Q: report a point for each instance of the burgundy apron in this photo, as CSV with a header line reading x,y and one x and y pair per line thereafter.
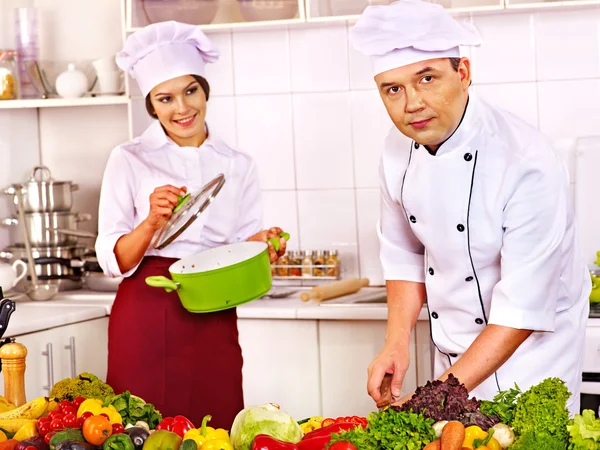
x,y
183,363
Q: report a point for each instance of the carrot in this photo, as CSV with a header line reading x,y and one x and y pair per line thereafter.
x,y
8,445
453,436
435,445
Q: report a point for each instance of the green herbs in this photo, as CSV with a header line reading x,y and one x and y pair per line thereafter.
x,y
133,409
84,385
503,406
542,411
391,430
538,441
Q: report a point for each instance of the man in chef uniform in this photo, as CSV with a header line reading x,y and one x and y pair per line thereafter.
x,y
476,218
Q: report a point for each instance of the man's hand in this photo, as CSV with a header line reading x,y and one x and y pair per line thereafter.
x,y
393,359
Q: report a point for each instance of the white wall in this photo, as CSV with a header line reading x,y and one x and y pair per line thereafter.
x,y
303,103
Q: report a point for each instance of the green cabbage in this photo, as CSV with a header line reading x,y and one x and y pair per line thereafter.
x,y
266,419
585,431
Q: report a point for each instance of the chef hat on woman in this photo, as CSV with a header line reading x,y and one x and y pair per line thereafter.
x,y
409,31
163,51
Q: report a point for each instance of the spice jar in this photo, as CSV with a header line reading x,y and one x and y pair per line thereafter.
x,y
307,264
319,262
9,71
332,263
282,266
295,264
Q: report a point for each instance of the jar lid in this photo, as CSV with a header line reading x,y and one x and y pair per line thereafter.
x,y
187,214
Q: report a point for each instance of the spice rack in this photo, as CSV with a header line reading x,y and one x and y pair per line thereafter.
x,y
308,265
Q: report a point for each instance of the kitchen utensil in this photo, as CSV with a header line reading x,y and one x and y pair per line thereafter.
x,y
34,291
219,278
336,289
254,10
195,12
43,227
181,219
41,193
10,276
76,233
280,294
387,399
97,281
71,83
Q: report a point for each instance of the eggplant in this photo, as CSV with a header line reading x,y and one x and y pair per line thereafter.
x,y
35,441
70,444
138,436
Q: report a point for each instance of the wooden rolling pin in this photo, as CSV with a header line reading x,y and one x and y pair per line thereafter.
x,y
333,290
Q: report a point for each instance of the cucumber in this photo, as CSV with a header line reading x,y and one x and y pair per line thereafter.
x,y
66,435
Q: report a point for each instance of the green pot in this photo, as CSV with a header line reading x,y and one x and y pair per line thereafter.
x,y
219,278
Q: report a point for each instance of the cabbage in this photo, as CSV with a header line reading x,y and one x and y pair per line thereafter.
x,y
265,419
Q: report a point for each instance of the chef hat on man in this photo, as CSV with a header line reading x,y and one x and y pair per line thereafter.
x,y
409,31
163,51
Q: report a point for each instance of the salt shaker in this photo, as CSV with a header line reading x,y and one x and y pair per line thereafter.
x,y
13,357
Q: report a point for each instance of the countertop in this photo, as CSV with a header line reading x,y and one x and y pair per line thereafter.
x,y
81,305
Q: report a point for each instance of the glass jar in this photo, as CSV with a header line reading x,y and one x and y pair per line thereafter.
x,y
295,264
332,263
9,75
319,262
282,266
307,264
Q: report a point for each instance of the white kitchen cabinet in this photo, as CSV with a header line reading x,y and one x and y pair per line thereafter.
x,y
48,359
281,364
346,349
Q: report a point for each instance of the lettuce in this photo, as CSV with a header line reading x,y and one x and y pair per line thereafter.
x,y
266,419
585,431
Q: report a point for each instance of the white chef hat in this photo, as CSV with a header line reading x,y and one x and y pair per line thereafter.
x,y
163,51
409,31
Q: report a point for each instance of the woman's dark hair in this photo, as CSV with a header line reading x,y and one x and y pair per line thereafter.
x,y
203,84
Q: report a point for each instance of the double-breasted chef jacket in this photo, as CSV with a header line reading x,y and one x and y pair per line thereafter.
x,y
486,222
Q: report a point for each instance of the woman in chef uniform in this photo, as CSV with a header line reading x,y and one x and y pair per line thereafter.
x,y
475,218
183,363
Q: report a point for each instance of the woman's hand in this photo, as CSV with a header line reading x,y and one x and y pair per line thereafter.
x,y
265,235
162,202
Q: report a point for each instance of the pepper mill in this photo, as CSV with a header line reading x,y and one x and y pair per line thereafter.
x,y
13,357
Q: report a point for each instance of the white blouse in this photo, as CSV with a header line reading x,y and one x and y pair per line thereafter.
x,y
136,168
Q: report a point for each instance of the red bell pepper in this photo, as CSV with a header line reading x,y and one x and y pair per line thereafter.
x,y
315,440
266,442
178,425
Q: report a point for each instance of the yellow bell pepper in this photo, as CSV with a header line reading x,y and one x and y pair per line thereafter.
x,y
217,444
312,424
27,431
96,407
195,435
208,438
474,432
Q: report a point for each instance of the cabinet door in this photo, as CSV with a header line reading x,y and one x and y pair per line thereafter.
x,y
84,348
346,350
43,359
281,364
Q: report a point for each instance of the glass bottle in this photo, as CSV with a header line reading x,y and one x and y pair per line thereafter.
x,y
307,264
295,260
332,263
9,75
319,262
282,266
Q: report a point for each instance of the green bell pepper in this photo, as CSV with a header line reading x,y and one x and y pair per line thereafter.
x,y
162,440
118,442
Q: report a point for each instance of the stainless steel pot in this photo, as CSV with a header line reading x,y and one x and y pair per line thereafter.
x,y
44,228
44,194
50,262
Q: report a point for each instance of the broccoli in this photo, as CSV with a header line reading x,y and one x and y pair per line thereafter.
x,y
84,385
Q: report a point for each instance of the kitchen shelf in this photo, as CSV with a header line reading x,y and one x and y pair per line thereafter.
x,y
239,25
528,4
63,102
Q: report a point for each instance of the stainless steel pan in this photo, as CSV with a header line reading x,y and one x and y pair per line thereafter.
x,y
44,228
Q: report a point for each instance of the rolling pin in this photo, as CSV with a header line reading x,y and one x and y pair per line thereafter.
x,y
333,290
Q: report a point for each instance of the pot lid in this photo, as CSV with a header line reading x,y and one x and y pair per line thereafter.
x,y
44,178
187,212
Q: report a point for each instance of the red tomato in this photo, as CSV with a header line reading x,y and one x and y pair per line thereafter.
x,y
106,416
86,414
70,410
78,401
70,421
96,430
57,424
81,420
30,447
44,420
118,428
62,405
327,422
43,428
52,414
48,437
343,445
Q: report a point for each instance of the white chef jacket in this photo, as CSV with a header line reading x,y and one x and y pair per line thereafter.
x,y
487,224
136,168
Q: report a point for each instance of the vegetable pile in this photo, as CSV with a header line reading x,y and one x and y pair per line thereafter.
x,y
133,409
85,385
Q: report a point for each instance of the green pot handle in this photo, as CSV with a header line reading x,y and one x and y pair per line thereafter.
x,y
162,282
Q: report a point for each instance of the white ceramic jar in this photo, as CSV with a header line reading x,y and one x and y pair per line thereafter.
x,y
72,83
10,276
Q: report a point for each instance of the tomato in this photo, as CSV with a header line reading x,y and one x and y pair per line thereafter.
x,y
78,401
43,428
44,420
70,410
86,414
54,413
327,422
97,429
64,404
48,437
117,428
343,445
31,447
106,415
57,424
71,421
81,421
